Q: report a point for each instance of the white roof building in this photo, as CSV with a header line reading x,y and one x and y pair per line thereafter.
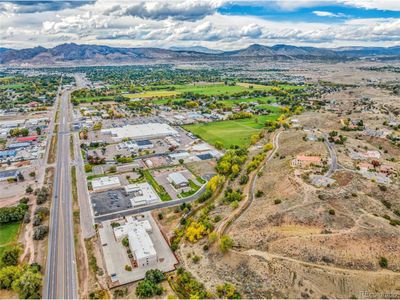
x,y
201,147
104,183
141,131
143,194
178,179
140,242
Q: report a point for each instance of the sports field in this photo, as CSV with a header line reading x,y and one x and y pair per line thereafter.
x,y
231,132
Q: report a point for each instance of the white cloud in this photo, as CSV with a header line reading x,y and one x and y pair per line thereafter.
x,y
326,14
188,10
184,23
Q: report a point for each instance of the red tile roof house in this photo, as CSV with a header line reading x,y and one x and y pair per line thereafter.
x,y
27,139
384,169
306,161
33,104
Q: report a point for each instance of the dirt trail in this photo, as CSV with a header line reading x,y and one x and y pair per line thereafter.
x,y
248,190
270,256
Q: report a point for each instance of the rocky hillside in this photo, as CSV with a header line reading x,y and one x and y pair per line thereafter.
x,y
95,54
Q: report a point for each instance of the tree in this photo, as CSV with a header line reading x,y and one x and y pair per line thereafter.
x,y
28,286
40,232
88,168
259,193
20,177
10,256
235,170
375,163
227,291
218,145
38,130
195,231
147,289
29,189
155,276
225,243
8,275
125,242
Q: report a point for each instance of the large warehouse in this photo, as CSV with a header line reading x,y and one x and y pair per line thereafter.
x,y
141,131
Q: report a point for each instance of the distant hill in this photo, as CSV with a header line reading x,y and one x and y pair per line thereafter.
x,y
72,54
199,49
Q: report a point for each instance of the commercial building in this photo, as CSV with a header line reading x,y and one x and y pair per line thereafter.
x,y
140,243
143,194
9,174
18,145
178,180
26,139
141,131
135,146
7,154
105,183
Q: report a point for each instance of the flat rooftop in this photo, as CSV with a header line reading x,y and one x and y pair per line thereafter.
x,y
141,131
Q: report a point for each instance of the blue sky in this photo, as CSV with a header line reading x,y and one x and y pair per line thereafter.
x,y
271,11
210,23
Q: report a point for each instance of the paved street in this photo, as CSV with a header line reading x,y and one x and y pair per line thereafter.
x,y
60,277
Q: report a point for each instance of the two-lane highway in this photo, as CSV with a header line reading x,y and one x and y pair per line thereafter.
x,y
61,276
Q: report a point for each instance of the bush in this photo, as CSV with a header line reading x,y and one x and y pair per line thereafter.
x,y
259,193
227,291
115,224
387,204
10,256
155,276
128,268
332,212
42,195
40,232
243,179
160,216
217,218
147,289
24,200
29,189
383,262
225,243
88,168
277,201
27,217
8,275
37,220
196,259
125,242
383,188
42,211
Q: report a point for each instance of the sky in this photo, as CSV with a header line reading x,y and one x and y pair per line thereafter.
x,y
216,24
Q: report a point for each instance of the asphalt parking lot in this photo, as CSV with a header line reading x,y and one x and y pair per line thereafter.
x,y
110,201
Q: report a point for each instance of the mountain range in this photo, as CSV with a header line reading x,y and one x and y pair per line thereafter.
x,y
72,54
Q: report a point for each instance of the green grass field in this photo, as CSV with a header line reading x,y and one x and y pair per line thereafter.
x,y
95,99
205,89
261,100
8,233
12,86
231,132
8,236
